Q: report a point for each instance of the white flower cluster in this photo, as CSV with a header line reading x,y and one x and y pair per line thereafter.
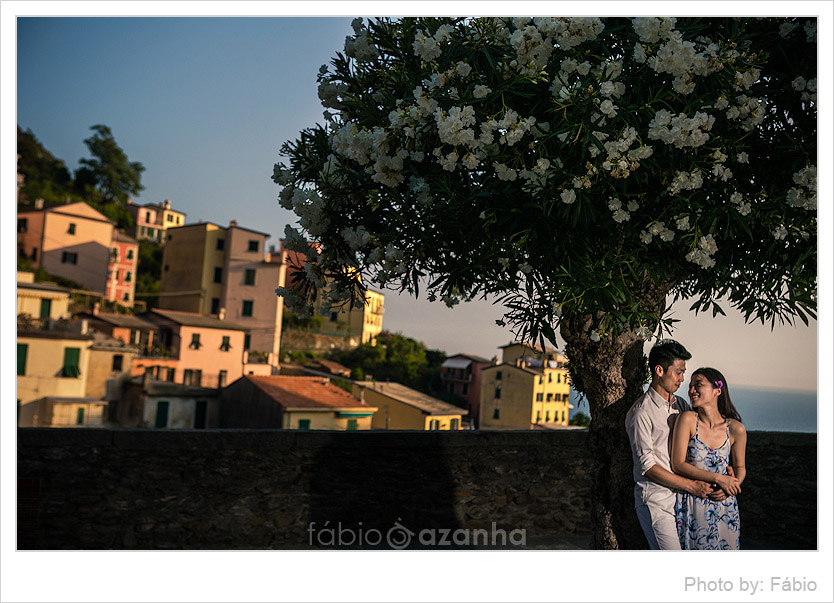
x,y
719,170
680,58
780,233
682,222
622,159
686,181
745,79
535,40
294,241
360,46
653,29
329,93
421,190
452,126
356,237
481,91
804,195
619,214
358,144
810,28
643,333
657,229
743,206
807,88
681,130
504,173
568,196
750,111
281,174
428,47
309,206
702,254
293,302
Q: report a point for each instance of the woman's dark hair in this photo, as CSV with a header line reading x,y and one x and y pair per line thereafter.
x,y
725,405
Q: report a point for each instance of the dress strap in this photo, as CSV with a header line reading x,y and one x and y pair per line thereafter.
x,y
697,421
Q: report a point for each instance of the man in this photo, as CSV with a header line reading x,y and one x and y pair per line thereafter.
x,y
649,423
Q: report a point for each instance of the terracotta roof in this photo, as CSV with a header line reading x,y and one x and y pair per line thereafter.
x,y
124,238
192,319
43,287
470,357
333,367
306,392
412,397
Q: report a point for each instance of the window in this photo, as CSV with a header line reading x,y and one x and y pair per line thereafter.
x,y
464,390
218,274
538,416
114,254
496,413
22,224
130,254
334,316
249,276
352,425
69,257
200,412
71,229
22,350
169,218
454,424
247,341
169,376
161,414
220,245
46,308
79,417
127,276
497,393
550,397
434,425
247,307
539,397
192,377
126,297
195,341
117,362
147,216
221,379
226,344
134,337
541,379
215,305
71,356
498,375
550,377
547,417
253,246
304,423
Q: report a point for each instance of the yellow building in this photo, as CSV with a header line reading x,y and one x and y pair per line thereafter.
x,y
50,364
401,407
41,300
530,387
283,402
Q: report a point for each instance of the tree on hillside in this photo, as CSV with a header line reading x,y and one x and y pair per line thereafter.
x,y
149,272
44,176
588,172
108,179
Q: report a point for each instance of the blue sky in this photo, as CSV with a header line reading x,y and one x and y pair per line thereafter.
x,y
205,105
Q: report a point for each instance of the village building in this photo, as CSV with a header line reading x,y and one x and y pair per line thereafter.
x,y
401,407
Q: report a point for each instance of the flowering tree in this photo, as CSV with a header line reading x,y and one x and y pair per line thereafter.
x,y
588,172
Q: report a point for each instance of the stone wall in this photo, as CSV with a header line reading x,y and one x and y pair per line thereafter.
x,y
294,340
254,489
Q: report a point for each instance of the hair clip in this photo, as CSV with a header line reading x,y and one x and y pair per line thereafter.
x,y
719,383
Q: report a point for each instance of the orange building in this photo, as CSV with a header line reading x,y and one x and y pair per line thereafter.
x,y
121,274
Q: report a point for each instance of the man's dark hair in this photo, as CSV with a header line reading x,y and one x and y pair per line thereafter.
x,y
665,352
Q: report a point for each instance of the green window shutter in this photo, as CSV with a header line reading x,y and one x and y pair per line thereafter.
x,y
46,307
71,357
304,423
161,414
352,425
22,351
79,417
200,413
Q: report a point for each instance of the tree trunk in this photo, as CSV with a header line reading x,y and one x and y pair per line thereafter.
x,y
611,374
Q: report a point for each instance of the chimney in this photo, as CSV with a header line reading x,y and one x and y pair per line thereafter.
x,y
232,223
221,314
96,308
167,204
38,203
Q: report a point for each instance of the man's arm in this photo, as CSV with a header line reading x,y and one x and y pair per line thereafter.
x,y
671,480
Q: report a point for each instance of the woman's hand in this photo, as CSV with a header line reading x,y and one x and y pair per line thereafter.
x,y
729,484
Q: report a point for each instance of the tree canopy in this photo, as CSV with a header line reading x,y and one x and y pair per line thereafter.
x,y
44,176
572,166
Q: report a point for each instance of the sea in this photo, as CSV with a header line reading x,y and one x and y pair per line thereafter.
x,y
761,409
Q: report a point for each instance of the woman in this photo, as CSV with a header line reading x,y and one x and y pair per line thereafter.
x,y
705,442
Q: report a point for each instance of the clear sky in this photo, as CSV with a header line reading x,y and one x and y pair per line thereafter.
x,y
205,105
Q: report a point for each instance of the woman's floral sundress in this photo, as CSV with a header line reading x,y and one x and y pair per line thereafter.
x,y
703,523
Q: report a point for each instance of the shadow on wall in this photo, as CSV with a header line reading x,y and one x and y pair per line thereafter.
x,y
358,502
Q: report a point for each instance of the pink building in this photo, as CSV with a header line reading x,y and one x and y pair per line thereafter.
x,y
121,278
73,241
152,220
461,375
193,349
